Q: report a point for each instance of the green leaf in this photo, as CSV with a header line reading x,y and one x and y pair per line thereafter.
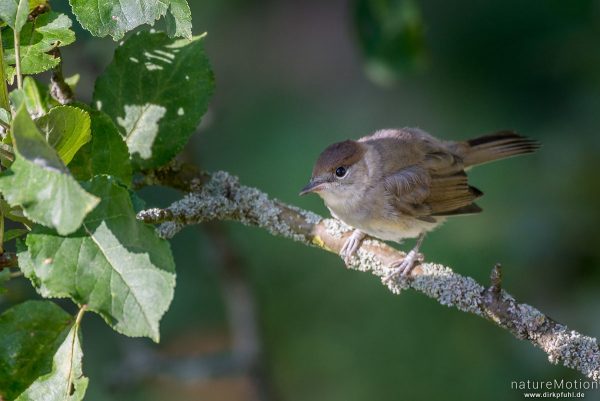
x,y
65,382
32,97
116,265
35,96
14,13
391,36
31,333
48,31
14,233
13,213
115,17
39,182
5,116
17,98
157,90
66,129
179,19
106,153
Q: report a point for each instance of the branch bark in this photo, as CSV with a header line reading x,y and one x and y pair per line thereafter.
x,y
59,89
220,196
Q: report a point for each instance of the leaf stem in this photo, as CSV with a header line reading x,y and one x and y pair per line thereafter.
x,y
17,36
4,103
80,315
76,332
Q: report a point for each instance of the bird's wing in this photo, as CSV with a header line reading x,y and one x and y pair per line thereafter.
x,y
435,185
452,194
406,191
415,191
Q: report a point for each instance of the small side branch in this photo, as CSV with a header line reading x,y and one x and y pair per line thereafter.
x,y
17,42
59,89
223,198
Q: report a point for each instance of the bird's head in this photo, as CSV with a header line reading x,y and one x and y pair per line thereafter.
x,y
339,171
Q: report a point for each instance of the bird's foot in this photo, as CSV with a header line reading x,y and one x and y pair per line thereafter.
x,y
403,267
351,245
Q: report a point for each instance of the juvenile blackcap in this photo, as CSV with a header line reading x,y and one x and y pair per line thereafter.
x,y
402,183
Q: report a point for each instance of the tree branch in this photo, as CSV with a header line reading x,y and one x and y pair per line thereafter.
x,y
59,89
223,198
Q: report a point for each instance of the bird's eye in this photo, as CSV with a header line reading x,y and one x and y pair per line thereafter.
x,y
340,172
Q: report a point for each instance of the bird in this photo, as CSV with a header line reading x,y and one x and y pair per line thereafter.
x,y
402,183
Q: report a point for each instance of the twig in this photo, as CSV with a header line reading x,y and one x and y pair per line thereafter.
x,y
17,41
37,11
496,280
223,198
59,89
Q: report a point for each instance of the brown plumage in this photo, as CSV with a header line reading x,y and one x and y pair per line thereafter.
x,y
401,183
339,154
428,176
496,146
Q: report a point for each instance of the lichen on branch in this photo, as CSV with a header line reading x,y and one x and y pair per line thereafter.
x,y
220,196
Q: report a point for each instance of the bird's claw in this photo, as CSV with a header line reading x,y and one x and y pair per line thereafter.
x,y
351,246
403,267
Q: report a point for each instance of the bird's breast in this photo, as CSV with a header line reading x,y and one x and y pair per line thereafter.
x,y
366,206
371,216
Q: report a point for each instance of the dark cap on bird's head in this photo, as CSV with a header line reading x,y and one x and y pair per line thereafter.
x,y
336,156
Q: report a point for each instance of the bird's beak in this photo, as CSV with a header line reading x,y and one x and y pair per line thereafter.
x,y
313,186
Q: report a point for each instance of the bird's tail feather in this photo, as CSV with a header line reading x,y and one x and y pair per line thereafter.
x,y
499,145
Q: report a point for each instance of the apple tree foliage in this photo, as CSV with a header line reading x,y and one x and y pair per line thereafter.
x,y
66,171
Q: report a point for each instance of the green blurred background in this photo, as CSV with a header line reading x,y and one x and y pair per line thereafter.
x,y
295,76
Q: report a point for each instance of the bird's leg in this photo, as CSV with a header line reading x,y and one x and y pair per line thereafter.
x,y
351,245
404,266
